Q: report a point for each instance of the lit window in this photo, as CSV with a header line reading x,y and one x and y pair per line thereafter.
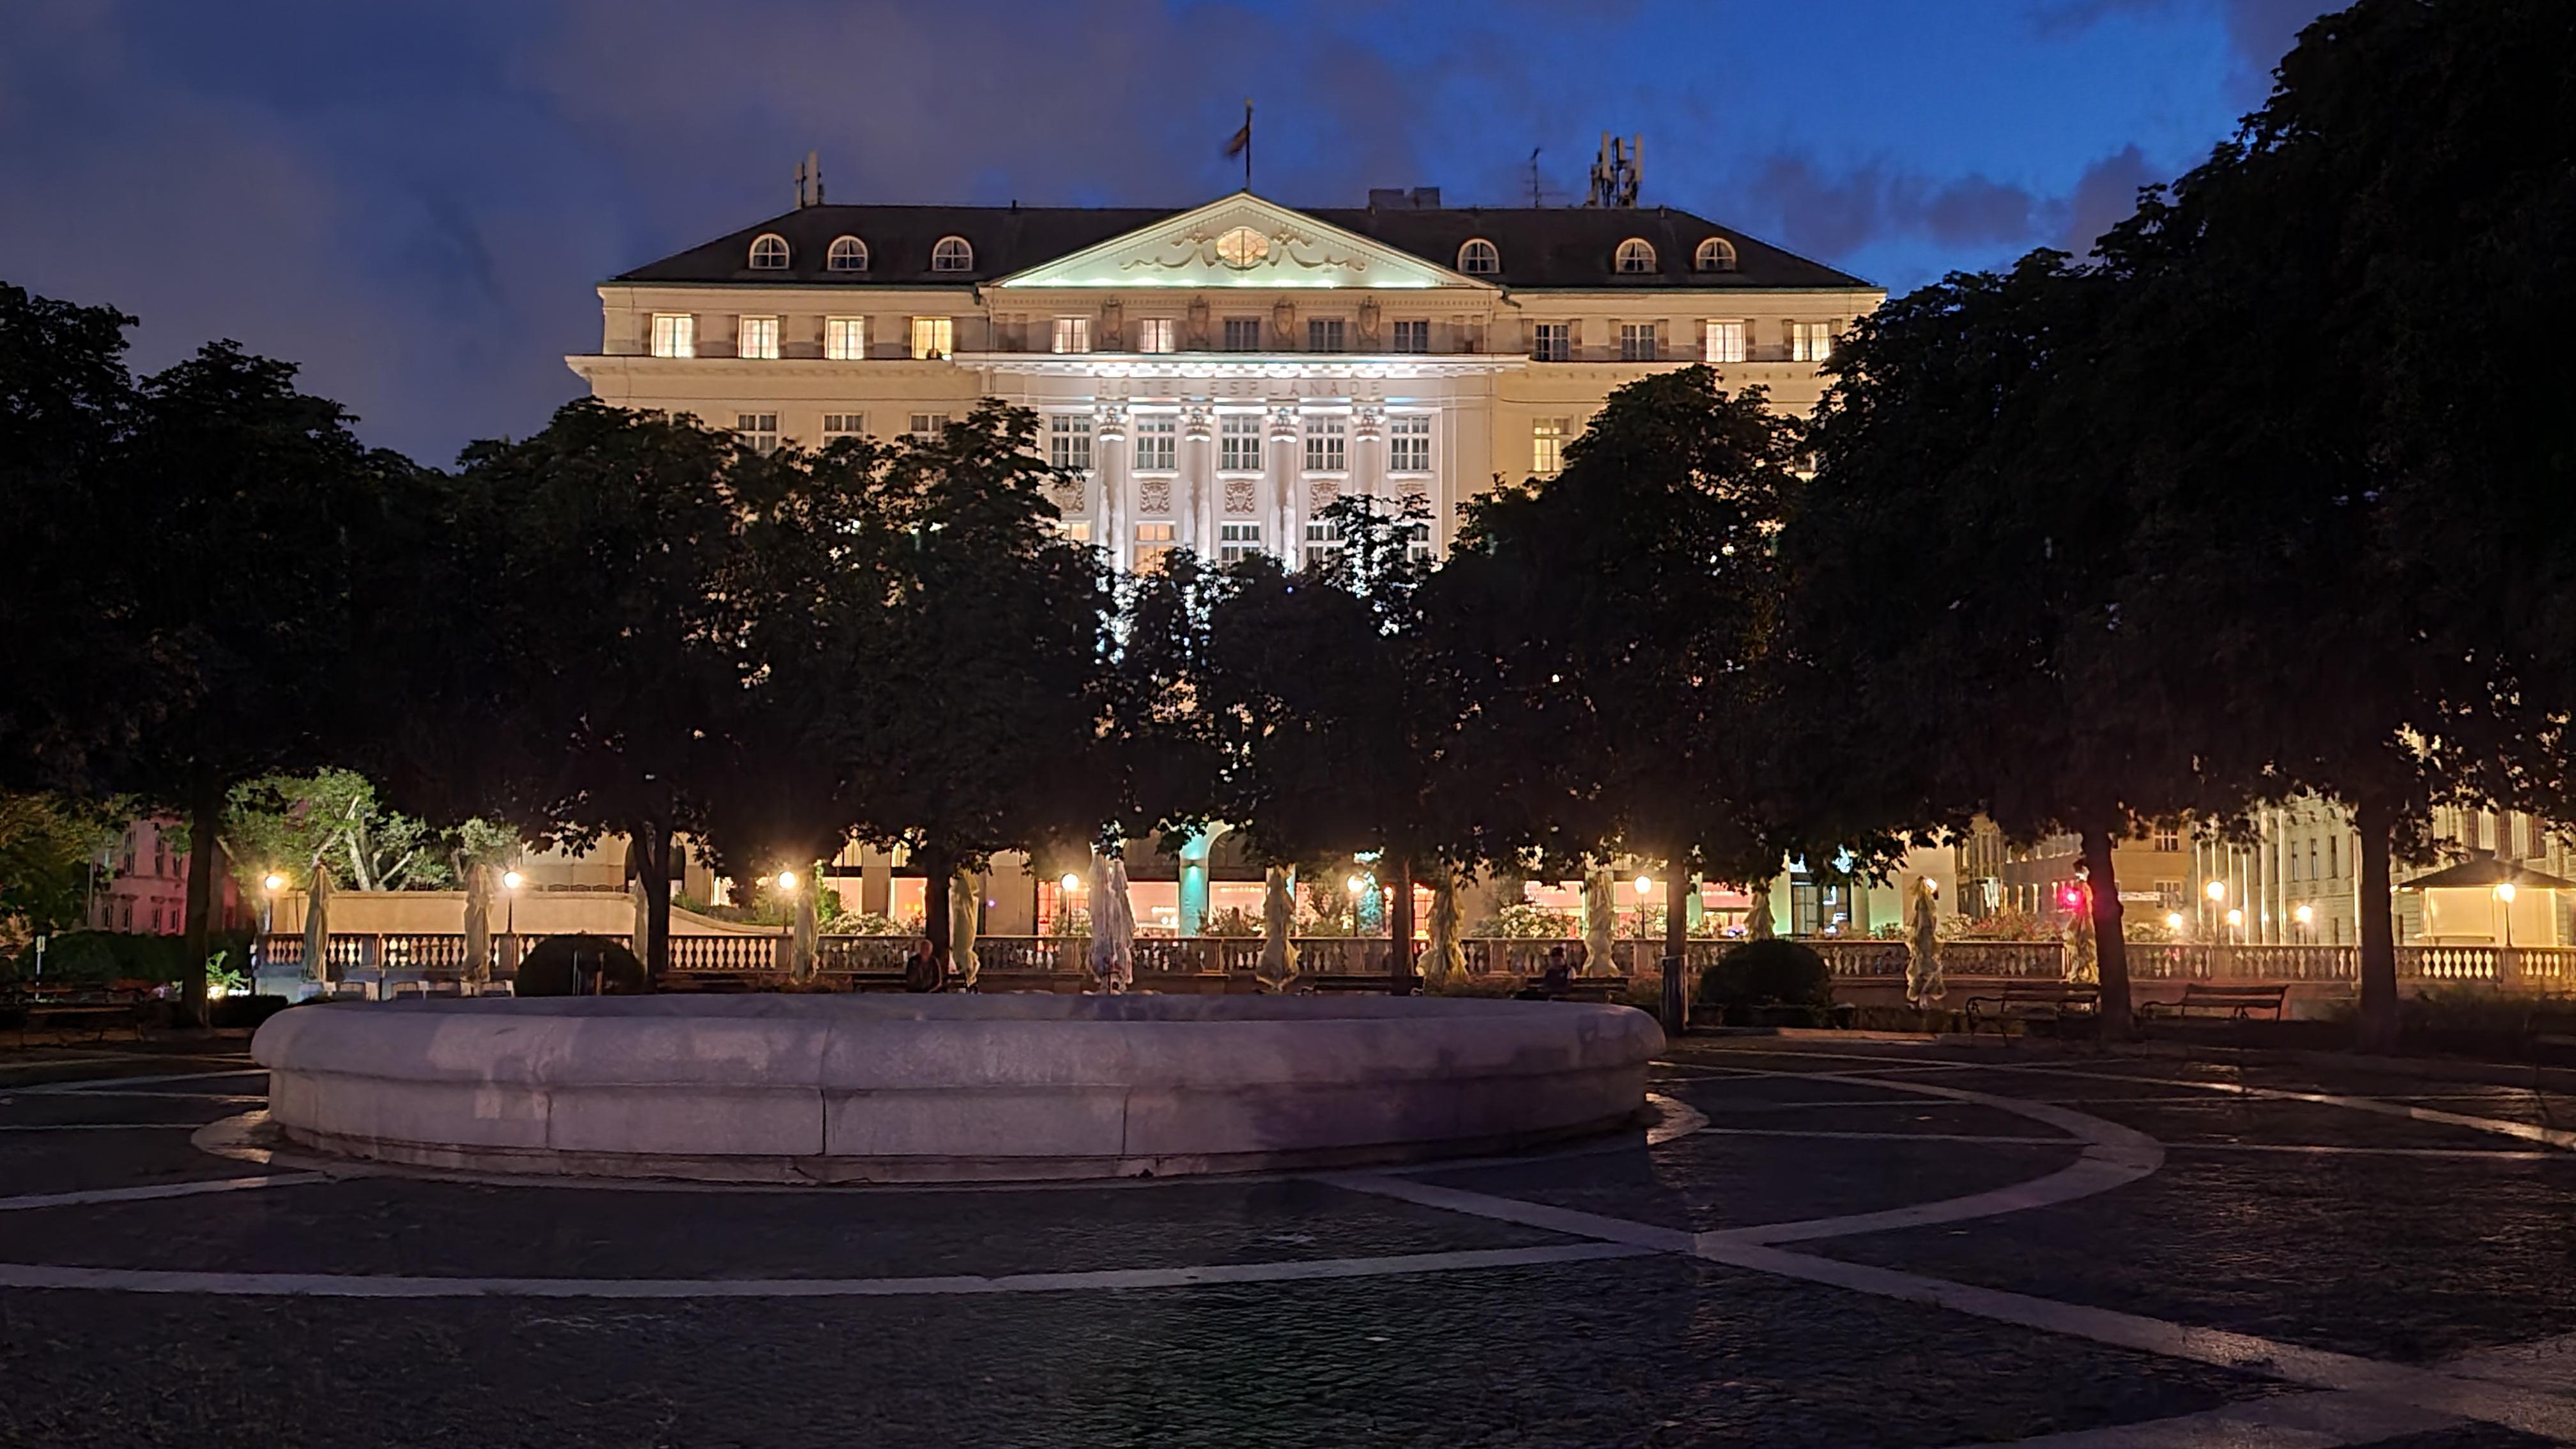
x,y
1417,542
1722,342
1413,336
1156,444
1238,443
933,336
675,334
1323,334
926,427
845,339
1243,334
1327,449
1073,334
758,337
952,254
1323,542
1155,334
1074,530
1637,342
1479,259
1810,341
760,430
1716,254
1237,541
1408,444
2168,838
769,253
1547,446
837,426
1153,545
848,254
1552,341
1635,257
1069,441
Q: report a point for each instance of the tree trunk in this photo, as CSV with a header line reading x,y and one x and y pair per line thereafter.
x,y
205,820
1677,944
937,870
653,867
1399,931
2110,947
2378,1020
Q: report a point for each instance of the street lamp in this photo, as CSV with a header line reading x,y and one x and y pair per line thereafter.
x,y
1356,886
2218,890
2504,893
1071,883
270,883
2305,915
1645,885
2173,920
2235,920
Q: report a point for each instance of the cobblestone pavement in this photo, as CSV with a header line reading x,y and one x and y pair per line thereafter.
x,y
1824,1243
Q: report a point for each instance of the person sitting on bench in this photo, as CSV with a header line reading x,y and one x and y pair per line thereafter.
x,y
1555,981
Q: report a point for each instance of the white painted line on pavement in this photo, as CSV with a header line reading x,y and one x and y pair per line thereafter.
x,y
2327,1419
158,1190
2547,1415
2471,1154
52,1089
100,1126
362,1285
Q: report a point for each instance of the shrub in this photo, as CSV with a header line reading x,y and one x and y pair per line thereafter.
x,y
1776,972
96,958
579,965
1521,920
237,1011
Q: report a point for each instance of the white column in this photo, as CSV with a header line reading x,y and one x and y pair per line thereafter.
x,y
1368,452
1110,461
1196,507
1286,486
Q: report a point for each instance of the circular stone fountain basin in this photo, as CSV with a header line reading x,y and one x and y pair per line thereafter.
x,y
821,1088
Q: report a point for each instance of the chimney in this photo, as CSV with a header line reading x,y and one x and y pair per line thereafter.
x,y
1386,198
1426,198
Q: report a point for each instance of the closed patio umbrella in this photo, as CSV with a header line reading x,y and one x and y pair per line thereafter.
x,y
317,924
478,924
1278,924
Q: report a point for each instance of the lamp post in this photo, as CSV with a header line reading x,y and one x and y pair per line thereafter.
x,y
2306,916
511,880
2216,891
2504,899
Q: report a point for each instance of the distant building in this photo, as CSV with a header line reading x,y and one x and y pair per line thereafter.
x,y
140,884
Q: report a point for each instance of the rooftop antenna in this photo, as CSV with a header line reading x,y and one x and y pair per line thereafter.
x,y
1615,174
809,182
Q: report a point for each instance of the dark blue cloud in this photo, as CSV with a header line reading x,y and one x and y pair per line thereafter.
x,y
415,198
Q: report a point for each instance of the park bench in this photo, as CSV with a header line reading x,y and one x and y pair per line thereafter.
x,y
2050,1002
98,1010
1604,989
2230,1001
1352,983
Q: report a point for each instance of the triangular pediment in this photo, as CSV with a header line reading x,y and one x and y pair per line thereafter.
x,y
1241,241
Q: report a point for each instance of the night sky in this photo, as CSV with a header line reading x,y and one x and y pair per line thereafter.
x,y
414,199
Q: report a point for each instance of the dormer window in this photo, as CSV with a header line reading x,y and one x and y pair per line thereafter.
x,y
1636,257
848,254
769,253
952,255
1716,254
1479,259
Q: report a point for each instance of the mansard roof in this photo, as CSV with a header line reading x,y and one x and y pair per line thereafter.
x,y
1556,247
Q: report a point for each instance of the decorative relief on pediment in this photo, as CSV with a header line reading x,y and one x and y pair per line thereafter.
x,y
1239,495
1321,495
1154,495
1244,249
1066,494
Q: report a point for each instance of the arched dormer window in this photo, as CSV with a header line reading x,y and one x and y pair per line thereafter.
x,y
952,255
848,254
1636,257
769,253
1716,254
1479,259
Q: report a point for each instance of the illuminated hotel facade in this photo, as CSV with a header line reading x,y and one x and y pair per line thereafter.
x,y
1216,376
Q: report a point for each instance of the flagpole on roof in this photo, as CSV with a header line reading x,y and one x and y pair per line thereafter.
x,y
1247,143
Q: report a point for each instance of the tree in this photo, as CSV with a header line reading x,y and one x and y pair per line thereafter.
x,y
251,512
332,818
610,553
983,726
1971,463
1608,625
2353,307
1329,717
48,846
79,655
